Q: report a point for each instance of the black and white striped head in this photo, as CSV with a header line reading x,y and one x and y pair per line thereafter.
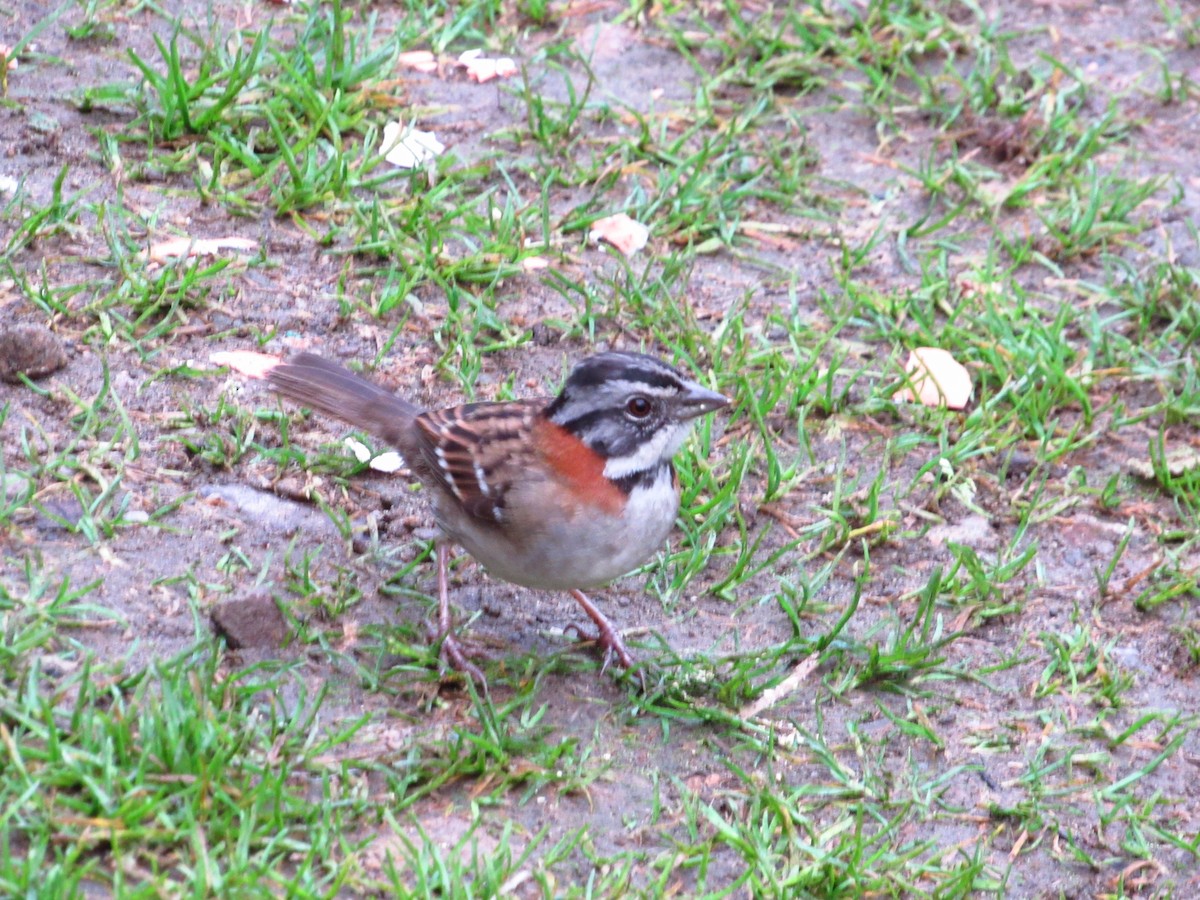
x,y
633,410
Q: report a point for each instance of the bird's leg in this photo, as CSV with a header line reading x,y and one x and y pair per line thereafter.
x,y
608,637
451,650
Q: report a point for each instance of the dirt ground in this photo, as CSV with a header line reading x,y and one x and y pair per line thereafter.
x,y
198,518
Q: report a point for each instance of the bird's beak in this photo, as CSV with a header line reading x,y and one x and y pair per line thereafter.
x,y
696,400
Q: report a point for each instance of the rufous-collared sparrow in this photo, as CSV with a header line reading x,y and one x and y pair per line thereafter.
x,y
560,494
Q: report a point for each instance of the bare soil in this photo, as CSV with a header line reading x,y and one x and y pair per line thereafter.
x,y
162,583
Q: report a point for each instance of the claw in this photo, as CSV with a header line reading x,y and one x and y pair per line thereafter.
x,y
607,638
452,653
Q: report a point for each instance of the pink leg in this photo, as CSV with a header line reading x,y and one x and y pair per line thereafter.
x,y
451,650
608,637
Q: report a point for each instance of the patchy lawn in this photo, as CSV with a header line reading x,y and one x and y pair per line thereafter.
x,y
891,649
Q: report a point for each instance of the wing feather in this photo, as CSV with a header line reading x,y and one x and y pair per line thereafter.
x,y
475,451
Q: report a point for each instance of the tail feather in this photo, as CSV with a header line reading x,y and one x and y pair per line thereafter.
x,y
336,391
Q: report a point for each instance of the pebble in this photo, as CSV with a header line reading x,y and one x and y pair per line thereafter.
x,y
254,621
30,350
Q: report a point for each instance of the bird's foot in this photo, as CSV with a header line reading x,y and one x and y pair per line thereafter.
x,y
454,654
452,649
607,638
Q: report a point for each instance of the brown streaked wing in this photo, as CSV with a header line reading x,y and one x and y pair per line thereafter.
x,y
475,449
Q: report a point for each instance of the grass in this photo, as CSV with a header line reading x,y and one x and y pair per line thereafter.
x,y
895,650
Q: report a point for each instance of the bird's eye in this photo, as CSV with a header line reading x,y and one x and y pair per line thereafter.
x,y
638,407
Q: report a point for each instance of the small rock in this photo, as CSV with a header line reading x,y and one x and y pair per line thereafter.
x,y
30,350
59,514
266,510
1020,464
56,666
1129,658
252,622
973,531
292,488
542,335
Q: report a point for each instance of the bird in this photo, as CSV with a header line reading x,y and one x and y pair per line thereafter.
x,y
558,494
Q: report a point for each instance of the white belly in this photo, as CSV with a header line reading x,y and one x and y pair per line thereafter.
x,y
577,549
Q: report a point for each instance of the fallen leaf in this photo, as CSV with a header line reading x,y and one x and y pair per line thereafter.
x,y
603,41
387,462
800,673
622,232
973,531
350,632
246,362
1176,462
938,379
360,450
420,60
480,68
774,241
408,148
175,248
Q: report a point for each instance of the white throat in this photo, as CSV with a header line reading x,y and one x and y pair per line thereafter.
x,y
661,446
